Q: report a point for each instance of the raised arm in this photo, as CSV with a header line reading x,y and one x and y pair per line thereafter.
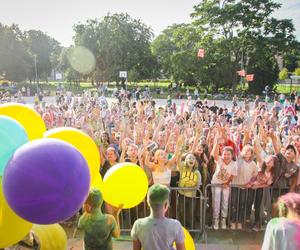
x,y
246,136
170,139
148,163
141,152
257,150
124,149
175,157
197,136
116,212
275,141
159,126
215,150
210,142
102,155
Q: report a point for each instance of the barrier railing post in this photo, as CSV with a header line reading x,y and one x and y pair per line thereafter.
x,y
198,208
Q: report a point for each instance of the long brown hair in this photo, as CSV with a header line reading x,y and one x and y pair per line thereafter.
x,y
264,167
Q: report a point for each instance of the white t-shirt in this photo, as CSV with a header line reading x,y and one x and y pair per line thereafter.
x,y
223,172
245,171
157,234
163,178
282,234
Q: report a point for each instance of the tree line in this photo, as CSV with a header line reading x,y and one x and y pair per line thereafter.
x,y
235,35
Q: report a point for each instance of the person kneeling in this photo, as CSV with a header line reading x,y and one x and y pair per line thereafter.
x,y
157,232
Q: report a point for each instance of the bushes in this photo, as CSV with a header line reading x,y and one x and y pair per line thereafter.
x,y
283,74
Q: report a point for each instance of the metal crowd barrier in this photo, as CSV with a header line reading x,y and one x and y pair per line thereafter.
x,y
195,214
189,211
245,206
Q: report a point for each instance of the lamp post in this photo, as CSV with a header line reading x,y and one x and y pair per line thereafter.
x,y
36,78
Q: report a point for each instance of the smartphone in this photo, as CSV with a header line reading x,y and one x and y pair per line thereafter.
x,y
118,135
152,147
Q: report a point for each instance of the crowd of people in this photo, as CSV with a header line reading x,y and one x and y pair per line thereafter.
x,y
194,144
242,157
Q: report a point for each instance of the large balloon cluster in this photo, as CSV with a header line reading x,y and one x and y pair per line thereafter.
x,y
45,177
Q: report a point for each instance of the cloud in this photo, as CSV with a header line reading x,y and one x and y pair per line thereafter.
x,y
290,9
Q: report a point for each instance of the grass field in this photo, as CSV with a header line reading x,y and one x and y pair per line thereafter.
x,y
286,89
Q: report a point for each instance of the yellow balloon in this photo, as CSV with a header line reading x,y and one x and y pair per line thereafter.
x,y
27,117
12,227
97,182
188,240
50,237
125,183
84,144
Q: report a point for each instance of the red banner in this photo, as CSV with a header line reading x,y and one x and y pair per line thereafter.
x,y
201,53
241,72
250,78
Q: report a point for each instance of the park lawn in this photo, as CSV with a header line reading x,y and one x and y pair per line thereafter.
x,y
286,89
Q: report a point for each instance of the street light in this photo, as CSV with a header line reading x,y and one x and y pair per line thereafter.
x,y
35,68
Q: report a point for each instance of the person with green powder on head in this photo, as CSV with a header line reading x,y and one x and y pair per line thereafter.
x,y
156,232
98,228
283,232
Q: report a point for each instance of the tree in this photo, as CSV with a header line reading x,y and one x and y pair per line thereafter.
x,y
118,43
13,55
291,59
246,26
176,52
297,72
283,74
46,50
63,64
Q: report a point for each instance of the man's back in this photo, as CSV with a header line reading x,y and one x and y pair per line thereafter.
x,y
98,230
157,234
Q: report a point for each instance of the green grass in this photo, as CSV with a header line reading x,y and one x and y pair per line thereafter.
x,y
286,89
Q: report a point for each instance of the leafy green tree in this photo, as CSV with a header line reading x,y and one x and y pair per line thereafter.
x,y
283,74
13,54
297,72
176,52
291,59
118,43
247,27
46,51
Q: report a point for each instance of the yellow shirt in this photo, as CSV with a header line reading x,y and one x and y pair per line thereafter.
x,y
189,179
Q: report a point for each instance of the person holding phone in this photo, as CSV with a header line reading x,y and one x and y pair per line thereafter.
x,y
162,167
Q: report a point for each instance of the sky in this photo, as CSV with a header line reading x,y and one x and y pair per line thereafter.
x,y
57,17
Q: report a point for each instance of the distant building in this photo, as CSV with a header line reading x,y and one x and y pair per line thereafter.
x,y
56,75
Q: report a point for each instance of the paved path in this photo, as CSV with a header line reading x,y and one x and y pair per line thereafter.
x,y
159,102
215,240
121,245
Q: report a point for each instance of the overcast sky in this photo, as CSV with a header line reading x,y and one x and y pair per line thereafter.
x,y
56,17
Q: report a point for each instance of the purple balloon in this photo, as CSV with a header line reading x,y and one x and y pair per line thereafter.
x,y
46,181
